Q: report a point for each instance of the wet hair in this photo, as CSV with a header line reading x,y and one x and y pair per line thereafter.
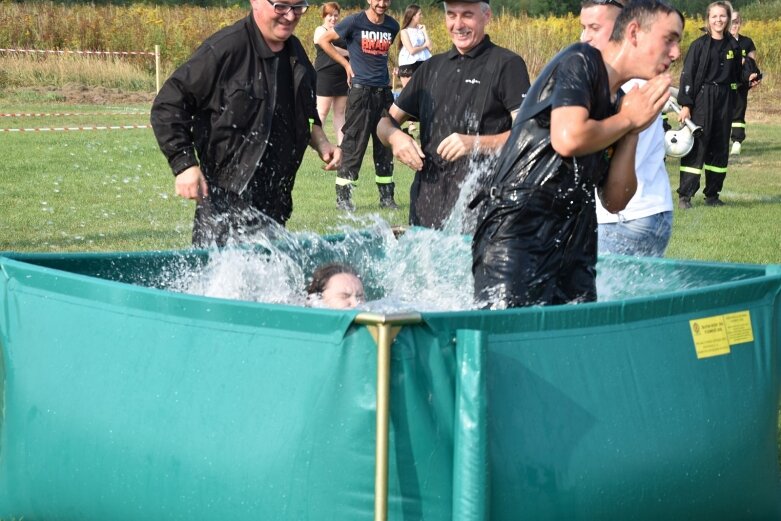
x,y
720,3
644,12
328,8
323,274
591,3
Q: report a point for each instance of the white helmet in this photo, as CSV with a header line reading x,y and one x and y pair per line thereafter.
x,y
678,143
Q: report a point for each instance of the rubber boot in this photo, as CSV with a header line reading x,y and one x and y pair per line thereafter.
x,y
386,196
344,198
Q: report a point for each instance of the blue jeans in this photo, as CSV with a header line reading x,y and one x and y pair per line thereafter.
x,y
647,236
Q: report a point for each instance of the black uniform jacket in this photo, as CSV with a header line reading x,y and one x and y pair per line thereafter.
x,y
220,104
696,64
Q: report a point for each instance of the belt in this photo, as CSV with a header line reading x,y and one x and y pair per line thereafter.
x,y
368,87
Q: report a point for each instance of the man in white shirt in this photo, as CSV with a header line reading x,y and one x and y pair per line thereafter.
x,y
645,225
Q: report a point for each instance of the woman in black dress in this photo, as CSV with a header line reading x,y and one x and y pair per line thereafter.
x,y
331,77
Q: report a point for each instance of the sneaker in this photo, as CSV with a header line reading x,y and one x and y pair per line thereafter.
x,y
735,151
713,201
684,203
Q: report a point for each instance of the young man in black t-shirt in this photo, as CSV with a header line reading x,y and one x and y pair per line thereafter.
x,y
369,35
536,237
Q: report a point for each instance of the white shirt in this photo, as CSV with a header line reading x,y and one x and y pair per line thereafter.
x,y
416,38
653,185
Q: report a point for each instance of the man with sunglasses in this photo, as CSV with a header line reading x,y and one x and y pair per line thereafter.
x,y
369,35
234,122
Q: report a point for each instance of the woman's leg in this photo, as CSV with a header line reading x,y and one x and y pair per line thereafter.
x,y
323,107
340,106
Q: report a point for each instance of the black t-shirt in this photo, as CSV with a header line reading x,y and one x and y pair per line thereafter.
x,y
473,93
746,45
369,44
719,64
575,77
272,185
322,60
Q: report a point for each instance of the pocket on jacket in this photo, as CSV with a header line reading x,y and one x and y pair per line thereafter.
x,y
242,103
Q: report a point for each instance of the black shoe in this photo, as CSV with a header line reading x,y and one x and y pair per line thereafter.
x,y
386,196
713,201
684,203
344,198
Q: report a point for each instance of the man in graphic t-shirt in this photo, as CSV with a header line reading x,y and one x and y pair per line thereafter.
x,y
369,35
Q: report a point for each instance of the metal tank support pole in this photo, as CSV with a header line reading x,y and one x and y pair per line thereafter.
x,y
383,329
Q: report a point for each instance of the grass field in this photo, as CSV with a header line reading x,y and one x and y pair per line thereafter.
x,y
112,190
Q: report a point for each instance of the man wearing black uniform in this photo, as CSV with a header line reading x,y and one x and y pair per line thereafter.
x,y
243,106
369,35
748,51
465,100
536,237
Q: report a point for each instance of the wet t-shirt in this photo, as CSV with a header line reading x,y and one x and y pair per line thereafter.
x,y
535,241
575,77
271,187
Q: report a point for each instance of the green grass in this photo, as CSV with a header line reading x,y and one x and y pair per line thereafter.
x,y
113,191
747,228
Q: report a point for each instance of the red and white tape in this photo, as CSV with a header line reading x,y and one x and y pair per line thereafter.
x,y
44,114
48,51
70,129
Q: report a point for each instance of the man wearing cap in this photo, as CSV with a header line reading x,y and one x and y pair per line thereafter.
x,y
369,35
465,100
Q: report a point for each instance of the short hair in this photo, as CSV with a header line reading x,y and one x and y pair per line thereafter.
x,y
323,274
720,3
591,3
644,12
328,8
484,6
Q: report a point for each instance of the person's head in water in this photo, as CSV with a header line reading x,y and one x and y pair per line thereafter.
x,y
335,286
597,18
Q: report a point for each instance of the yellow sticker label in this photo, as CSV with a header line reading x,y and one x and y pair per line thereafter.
x,y
710,336
739,330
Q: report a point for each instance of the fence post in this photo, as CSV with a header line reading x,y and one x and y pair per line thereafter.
x,y
157,68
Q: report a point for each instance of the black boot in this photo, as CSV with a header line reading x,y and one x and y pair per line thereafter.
x,y
684,203
386,196
344,198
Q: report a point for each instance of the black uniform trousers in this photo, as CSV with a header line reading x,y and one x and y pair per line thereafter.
x,y
365,106
739,117
713,108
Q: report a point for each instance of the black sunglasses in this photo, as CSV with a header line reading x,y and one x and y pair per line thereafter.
x,y
298,9
608,2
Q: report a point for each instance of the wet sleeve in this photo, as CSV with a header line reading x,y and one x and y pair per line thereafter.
x,y
514,83
573,84
188,91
